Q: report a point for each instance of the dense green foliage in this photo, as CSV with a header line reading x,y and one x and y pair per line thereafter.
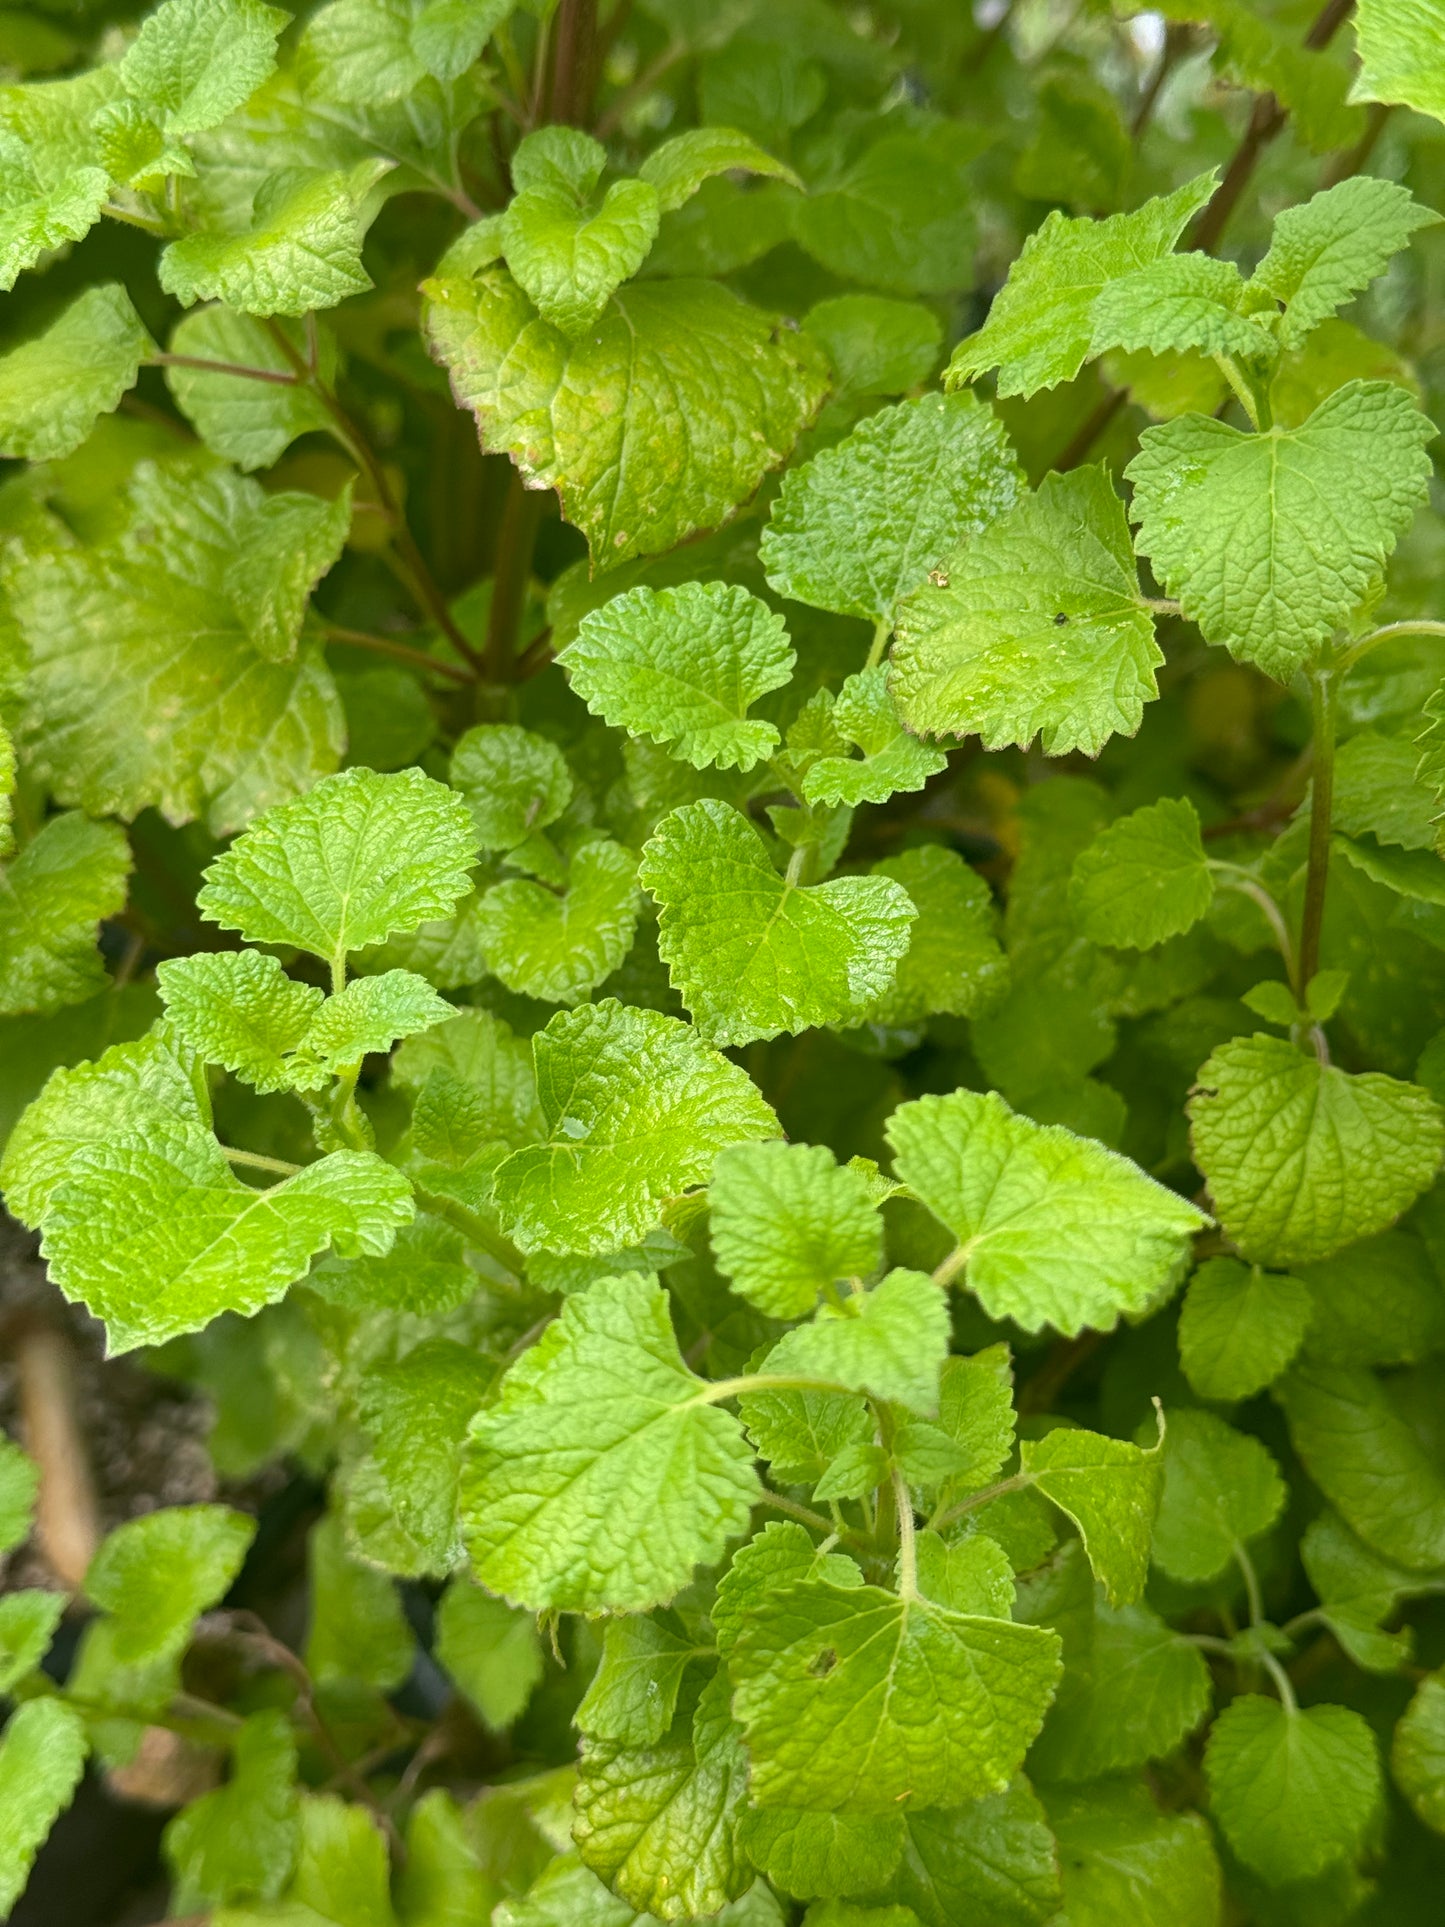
x,y
722,891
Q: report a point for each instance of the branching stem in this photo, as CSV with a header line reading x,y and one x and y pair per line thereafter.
x,y
1347,658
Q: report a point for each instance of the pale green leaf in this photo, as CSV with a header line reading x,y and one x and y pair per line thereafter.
x,y
683,666
1417,1756
1399,43
808,1853
376,51
239,1841
1292,1790
596,420
1239,1327
890,1341
635,1108
64,883
514,782
54,388
787,1222
678,167
752,954
290,542
1040,329
991,1863
1302,1157
38,215
1270,541
1133,1696
1145,879
1326,250
803,1433
301,251
195,61
1052,1228
780,1556
973,1434
1110,1489
491,1650
156,1235
42,1756
633,1694
370,1014
240,1009
864,715
1034,628
416,1409
477,1052
601,1477
19,1482
357,1630
156,1574
877,346
972,1575
658,1823
28,1620
853,1699
1221,1488
1121,1859
245,421
861,525
1179,303
570,259
954,964
557,948
356,858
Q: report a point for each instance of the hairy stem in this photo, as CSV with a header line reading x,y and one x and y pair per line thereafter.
x,y
1410,627
907,1538
254,1161
1324,690
882,630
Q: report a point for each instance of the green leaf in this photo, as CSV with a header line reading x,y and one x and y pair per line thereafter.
x,y
570,259
370,1014
1052,1228
861,524
991,1863
1110,1489
890,1341
1293,1790
240,1009
1135,1695
657,1823
832,1854
341,1877
779,1556
877,346
1379,791
802,1433
239,1841
1378,1302
446,1882
1358,1590
1221,1488
195,61
892,760
973,1575
1239,1327
633,1693
557,948
1271,541
635,1107
38,214
28,1620
251,423
787,1222
1400,54
853,1700
1302,1157
897,216
19,1482
954,964
514,782
185,615
492,1651
376,51
358,1630
155,1575
972,1437
1122,1859
1182,302
1325,251
683,666
595,419
54,388
156,1236
1373,1465
416,1411
302,250
752,954
42,1756
1417,1756
601,1477
356,858
1034,628
1145,879
1040,329
678,167
67,880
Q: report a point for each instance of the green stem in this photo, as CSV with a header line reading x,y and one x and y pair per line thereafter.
x,y
907,1538
882,630
1387,633
1251,1584
945,1273
398,651
255,1162
984,1496
278,376
815,1520
142,221
1281,1680
1244,392
1324,690
1233,877
722,1388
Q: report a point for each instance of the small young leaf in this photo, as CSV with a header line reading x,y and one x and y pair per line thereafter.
x,y
890,1341
599,1479
1293,1790
558,948
1252,532
1034,628
1326,250
1053,1228
1221,1487
1182,302
861,525
787,1222
369,1014
238,1842
155,1575
240,1009
66,881
892,760
678,167
491,1650
780,1556
633,1694
373,52
1110,1489
28,1620
752,954
195,61
42,1756
569,259
1145,879
1239,1327
1302,1157
359,856
636,1108
683,666
514,782
55,388
358,1630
